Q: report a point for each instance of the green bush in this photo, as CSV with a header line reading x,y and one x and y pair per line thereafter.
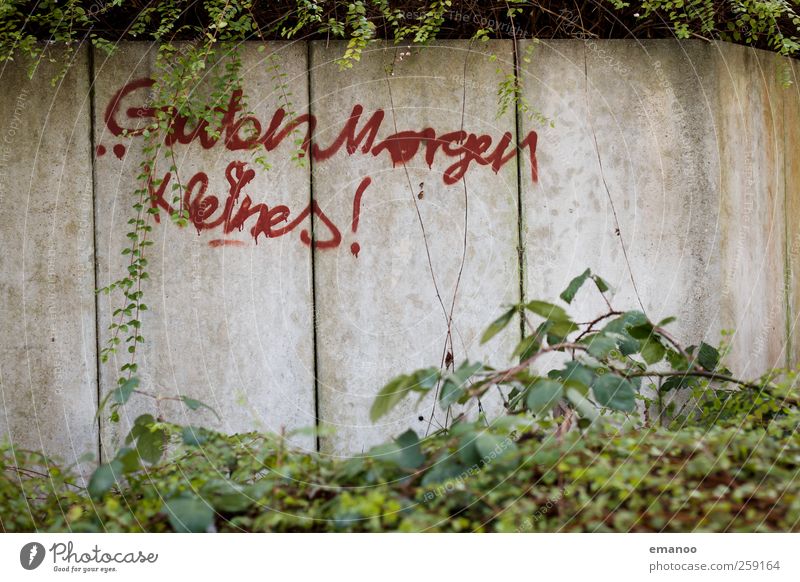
x,y
507,478
582,447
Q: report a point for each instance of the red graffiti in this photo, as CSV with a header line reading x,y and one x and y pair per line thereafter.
x,y
237,131
402,146
238,209
355,247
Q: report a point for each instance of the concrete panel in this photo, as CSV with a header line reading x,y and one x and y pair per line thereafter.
x,y
383,306
47,308
791,127
628,179
230,320
750,137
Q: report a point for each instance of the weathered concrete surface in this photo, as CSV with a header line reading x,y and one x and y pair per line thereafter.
x,y
386,310
648,158
229,325
47,310
750,137
791,127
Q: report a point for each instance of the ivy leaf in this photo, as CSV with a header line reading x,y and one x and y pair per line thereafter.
x,y
642,331
574,286
600,345
226,495
548,311
600,283
677,360
121,394
404,452
527,347
444,469
193,436
575,372
498,325
707,357
397,389
104,478
614,392
559,330
189,514
129,459
149,441
582,404
626,320
543,396
676,382
389,396
492,447
410,451
193,404
455,384
653,351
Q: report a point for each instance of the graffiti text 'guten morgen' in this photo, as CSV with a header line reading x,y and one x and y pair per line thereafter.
x,y
237,131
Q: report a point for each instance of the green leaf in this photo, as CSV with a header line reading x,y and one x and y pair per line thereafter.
x,y
575,372
527,347
193,436
189,514
129,459
104,478
425,379
455,384
642,331
547,310
677,360
121,394
498,325
707,357
574,286
397,389
149,441
601,284
676,382
193,404
543,396
492,447
614,392
389,396
620,326
410,450
559,330
623,322
225,495
653,351
600,345
443,470
582,404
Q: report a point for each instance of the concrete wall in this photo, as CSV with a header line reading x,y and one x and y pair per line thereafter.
x,y
228,324
48,349
668,169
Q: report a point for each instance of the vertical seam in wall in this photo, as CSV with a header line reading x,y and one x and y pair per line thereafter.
x,y
787,257
520,216
90,61
312,250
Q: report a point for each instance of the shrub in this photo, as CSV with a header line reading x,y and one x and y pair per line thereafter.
x,y
507,478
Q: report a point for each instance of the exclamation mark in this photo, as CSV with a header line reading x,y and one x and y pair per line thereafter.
x,y
355,248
